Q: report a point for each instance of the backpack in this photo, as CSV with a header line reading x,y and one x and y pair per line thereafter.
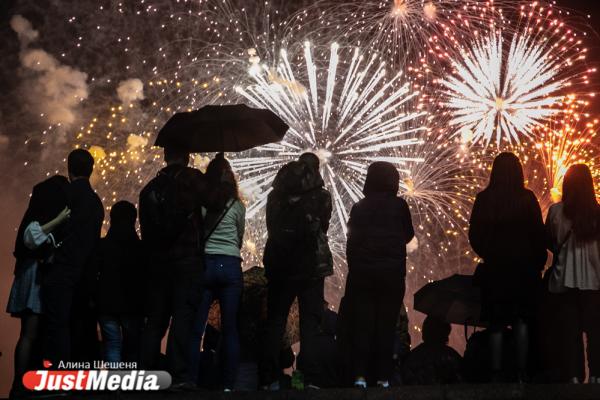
x,y
165,217
291,251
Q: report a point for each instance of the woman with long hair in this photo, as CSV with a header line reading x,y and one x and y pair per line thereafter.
x,y
507,232
379,229
224,232
573,226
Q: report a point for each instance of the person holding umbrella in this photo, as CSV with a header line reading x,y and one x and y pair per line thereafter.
x,y
172,228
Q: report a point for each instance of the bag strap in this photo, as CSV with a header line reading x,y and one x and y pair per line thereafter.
x,y
212,230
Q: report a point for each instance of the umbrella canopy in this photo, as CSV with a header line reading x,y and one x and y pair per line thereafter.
x,y
221,128
454,300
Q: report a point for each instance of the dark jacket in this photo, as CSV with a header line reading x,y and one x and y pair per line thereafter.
x,y
512,247
296,182
379,228
171,223
118,274
48,199
83,233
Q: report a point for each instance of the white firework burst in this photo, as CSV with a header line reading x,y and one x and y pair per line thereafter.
x,y
499,95
347,111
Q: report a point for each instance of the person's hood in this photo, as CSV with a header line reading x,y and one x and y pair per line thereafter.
x,y
297,178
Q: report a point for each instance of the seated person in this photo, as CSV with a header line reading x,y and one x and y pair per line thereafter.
x,y
433,362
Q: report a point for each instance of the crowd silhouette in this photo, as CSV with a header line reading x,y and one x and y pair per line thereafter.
x,y
69,281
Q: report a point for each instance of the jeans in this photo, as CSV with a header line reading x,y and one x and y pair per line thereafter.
x,y
223,281
175,291
281,295
121,337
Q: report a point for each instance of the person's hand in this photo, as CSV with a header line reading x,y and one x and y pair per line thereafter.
x,y
64,215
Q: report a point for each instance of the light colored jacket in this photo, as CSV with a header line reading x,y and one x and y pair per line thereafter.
x,y
578,265
228,236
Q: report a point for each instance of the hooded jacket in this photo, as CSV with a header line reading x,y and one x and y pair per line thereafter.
x,y
298,182
379,229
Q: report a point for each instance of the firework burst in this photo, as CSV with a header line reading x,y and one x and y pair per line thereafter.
x,y
346,110
502,96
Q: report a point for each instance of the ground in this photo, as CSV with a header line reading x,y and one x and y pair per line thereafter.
x,y
458,392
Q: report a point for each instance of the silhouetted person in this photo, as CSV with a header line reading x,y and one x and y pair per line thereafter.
x,y
297,259
172,228
118,272
326,348
573,226
507,232
224,234
432,362
379,229
41,230
64,274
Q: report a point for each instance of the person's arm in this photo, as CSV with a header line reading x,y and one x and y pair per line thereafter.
x,y
549,233
409,230
241,223
36,235
56,222
477,229
327,210
538,234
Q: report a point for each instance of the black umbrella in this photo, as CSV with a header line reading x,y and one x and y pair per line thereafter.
x,y
221,128
454,300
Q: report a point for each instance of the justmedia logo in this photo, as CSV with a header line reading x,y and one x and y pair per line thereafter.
x,y
93,380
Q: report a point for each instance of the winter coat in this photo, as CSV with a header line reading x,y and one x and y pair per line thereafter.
x,y
296,182
379,229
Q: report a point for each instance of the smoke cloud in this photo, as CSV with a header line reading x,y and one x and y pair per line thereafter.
x,y
130,91
136,141
24,30
49,88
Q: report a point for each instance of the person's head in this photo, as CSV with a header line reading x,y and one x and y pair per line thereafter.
x,y
435,331
218,168
507,174
222,183
80,164
123,213
311,160
382,178
580,204
176,156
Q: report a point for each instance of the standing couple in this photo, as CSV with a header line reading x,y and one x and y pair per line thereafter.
x,y
57,235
